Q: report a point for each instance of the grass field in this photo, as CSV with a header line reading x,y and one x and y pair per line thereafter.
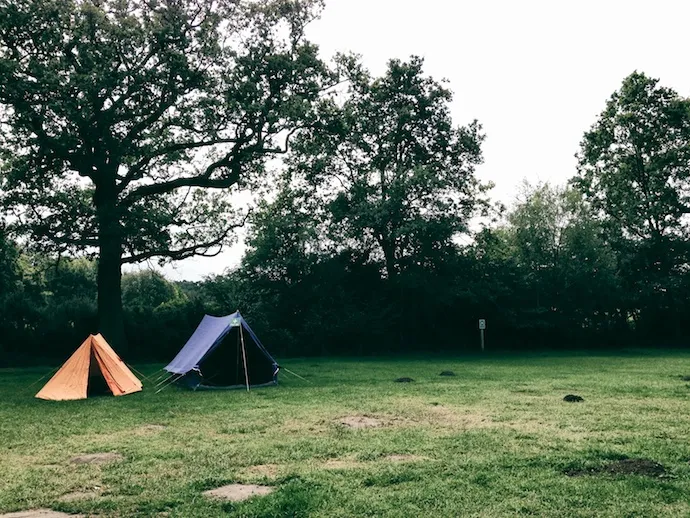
x,y
495,440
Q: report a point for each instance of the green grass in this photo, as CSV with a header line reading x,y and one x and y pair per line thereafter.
x,y
492,441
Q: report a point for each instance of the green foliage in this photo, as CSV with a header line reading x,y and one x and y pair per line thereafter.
x,y
634,169
150,103
635,161
127,123
396,175
8,262
149,290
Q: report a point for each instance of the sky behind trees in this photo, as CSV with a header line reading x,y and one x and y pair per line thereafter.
x,y
536,74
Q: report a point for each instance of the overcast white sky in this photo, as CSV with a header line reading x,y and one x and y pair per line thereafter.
x,y
535,73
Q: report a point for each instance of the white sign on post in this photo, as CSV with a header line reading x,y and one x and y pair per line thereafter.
x,y
482,326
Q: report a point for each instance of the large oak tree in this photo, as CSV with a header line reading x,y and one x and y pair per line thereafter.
x,y
126,122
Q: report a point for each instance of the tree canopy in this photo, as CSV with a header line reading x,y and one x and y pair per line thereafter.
x,y
126,122
396,172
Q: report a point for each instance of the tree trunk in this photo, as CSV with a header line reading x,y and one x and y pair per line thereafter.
x,y
110,315
389,257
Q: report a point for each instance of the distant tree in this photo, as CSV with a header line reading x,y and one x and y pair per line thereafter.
x,y
548,270
284,237
396,173
147,290
634,168
558,245
124,122
634,163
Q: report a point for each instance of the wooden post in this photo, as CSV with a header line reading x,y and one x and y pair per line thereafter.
x,y
244,358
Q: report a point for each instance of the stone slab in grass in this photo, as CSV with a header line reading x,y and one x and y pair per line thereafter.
x,y
39,513
96,458
238,492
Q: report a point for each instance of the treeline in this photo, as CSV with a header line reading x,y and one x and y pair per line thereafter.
x,y
545,279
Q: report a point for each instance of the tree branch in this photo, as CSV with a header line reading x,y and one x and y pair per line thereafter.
x,y
200,249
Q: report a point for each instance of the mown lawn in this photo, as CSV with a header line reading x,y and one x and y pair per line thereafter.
x,y
494,440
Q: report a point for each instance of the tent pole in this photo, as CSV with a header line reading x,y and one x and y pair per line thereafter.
x,y
244,357
237,365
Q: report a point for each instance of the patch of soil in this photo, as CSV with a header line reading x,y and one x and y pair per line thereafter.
x,y
342,464
405,458
447,373
572,398
238,492
39,513
645,467
151,428
96,458
262,470
404,380
357,421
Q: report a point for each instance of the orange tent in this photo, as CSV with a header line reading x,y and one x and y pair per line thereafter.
x,y
72,380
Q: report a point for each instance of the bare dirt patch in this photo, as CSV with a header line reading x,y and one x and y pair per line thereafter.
x,y
644,467
420,412
360,421
342,464
149,429
39,513
238,492
96,458
405,458
262,470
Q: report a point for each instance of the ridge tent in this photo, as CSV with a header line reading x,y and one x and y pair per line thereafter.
x,y
93,367
230,354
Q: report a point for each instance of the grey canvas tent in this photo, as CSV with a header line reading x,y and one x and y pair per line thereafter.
x,y
224,352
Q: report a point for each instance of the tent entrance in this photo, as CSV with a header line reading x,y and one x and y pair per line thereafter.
x,y
224,365
96,384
